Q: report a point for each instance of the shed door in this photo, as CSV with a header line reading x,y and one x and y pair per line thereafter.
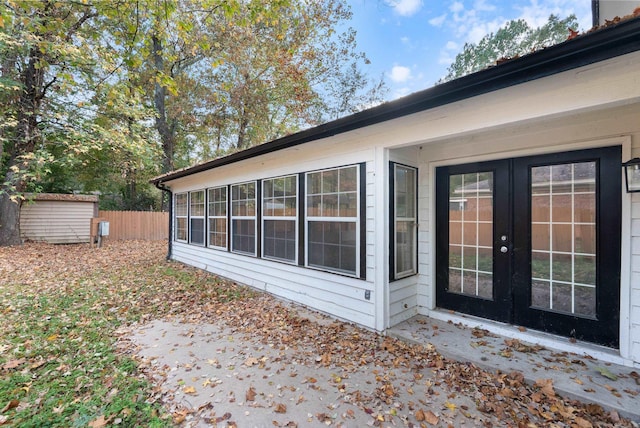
x,y
533,241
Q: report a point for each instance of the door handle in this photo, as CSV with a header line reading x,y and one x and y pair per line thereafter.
x,y
504,249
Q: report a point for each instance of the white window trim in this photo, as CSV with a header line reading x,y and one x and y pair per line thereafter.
x,y
356,220
201,217
225,217
254,217
176,217
281,218
413,220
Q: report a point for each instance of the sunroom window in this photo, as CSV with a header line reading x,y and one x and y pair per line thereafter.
x,y
181,210
217,216
279,218
332,220
243,218
404,221
196,217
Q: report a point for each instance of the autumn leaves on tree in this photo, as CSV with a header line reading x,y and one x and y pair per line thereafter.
x,y
100,96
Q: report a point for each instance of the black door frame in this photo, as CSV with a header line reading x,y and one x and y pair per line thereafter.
x,y
512,293
605,327
499,308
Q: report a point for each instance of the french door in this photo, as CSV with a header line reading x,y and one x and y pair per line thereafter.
x,y
533,241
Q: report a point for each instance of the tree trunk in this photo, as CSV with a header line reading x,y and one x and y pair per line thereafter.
x,y
9,220
167,133
32,79
242,129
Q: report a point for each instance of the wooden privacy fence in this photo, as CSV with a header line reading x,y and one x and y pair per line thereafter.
x,y
145,225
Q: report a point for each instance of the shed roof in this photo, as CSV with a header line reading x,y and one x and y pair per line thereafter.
x,y
60,197
595,46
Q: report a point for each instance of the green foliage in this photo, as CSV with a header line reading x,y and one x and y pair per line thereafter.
x,y
516,38
64,110
101,96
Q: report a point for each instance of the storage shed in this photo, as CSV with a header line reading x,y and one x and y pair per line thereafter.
x,y
57,218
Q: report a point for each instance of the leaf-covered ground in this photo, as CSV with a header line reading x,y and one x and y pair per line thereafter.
x,y
62,364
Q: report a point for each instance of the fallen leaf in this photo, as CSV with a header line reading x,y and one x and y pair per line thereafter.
x,y
431,418
223,418
582,423
420,416
179,417
546,386
10,405
189,390
251,361
572,34
250,395
606,373
280,408
99,422
450,406
13,364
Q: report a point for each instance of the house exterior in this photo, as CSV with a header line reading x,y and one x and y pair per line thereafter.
x,y
495,200
57,218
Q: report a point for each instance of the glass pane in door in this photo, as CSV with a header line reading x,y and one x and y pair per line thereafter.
x,y
563,238
471,234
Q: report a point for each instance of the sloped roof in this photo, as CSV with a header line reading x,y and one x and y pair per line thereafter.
x,y
594,46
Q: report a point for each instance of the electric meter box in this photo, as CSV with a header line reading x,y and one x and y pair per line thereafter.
x,y
103,228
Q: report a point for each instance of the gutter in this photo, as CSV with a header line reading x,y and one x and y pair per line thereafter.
x,y
596,46
164,188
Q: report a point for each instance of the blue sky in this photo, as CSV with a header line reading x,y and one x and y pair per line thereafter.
x,y
411,42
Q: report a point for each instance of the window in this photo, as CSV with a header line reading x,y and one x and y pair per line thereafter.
x,y
332,220
181,210
196,217
243,218
404,219
218,217
279,211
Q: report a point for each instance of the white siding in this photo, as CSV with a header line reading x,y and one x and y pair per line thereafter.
x,y
56,222
338,295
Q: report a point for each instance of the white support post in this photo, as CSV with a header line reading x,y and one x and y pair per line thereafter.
x,y
381,227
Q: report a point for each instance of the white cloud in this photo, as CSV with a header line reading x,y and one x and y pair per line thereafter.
x,y
483,6
481,29
456,7
405,40
438,20
405,7
401,92
446,58
400,74
537,13
451,46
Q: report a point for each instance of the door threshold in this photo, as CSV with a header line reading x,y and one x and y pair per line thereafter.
x,y
547,340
